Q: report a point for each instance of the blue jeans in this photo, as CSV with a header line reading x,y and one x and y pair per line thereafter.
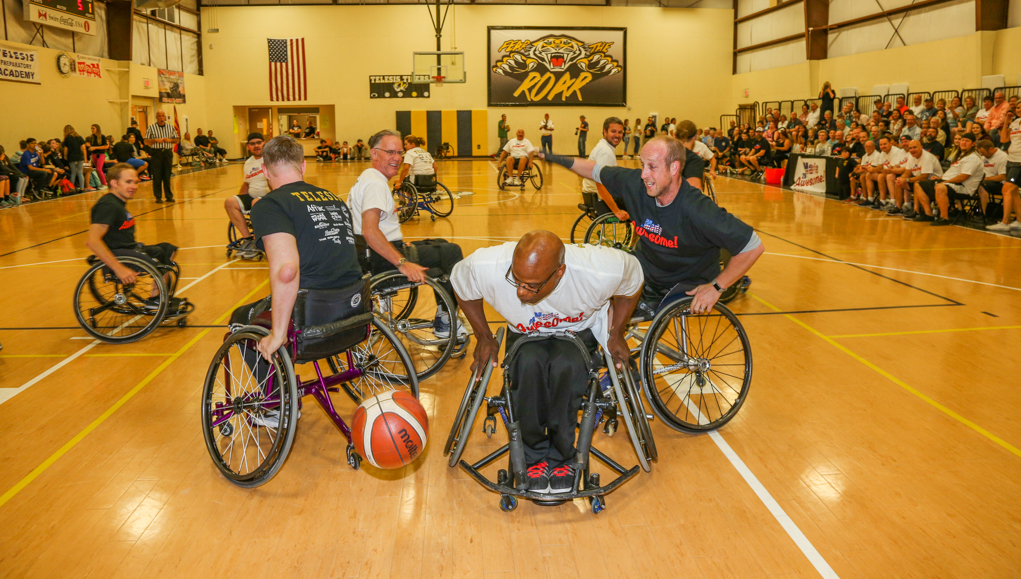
x,y
546,144
77,176
581,145
638,141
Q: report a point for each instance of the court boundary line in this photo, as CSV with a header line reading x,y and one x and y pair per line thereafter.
x,y
916,332
774,508
53,458
919,394
838,260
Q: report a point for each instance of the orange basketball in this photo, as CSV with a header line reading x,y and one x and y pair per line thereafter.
x,y
390,429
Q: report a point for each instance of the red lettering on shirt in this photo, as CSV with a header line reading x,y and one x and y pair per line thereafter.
x,y
656,238
549,323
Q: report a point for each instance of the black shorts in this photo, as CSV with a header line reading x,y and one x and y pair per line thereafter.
x,y
1014,173
244,202
929,188
163,253
994,188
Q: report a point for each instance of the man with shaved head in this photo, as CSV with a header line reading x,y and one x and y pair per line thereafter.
x,y
921,166
680,230
540,286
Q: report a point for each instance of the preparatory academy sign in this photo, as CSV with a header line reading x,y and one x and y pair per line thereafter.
x,y
557,66
398,86
19,65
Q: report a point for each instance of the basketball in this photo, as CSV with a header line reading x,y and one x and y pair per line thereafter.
x,y
390,429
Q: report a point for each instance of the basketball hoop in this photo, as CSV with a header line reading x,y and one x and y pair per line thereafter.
x,y
438,79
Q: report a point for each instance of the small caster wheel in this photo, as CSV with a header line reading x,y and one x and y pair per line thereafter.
x,y
226,429
502,478
598,505
610,428
182,322
489,426
229,252
352,457
508,503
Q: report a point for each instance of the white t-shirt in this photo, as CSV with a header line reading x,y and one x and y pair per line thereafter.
x,y
813,118
995,165
581,300
518,148
1014,152
927,164
420,160
917,110
970,164
671,129
372,191
874,159
546,126
895,159
702,150
604,154
255,176
982,115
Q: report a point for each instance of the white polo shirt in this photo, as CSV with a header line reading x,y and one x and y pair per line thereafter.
x,y
519,148
372,191
603,154
581,301
420,160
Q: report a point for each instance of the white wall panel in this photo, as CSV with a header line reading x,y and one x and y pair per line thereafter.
x,y
784,22
746,7
784,54
157,46
139,41
95,45
928,24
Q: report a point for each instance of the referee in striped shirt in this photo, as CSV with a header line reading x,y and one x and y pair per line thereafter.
x,y
161,137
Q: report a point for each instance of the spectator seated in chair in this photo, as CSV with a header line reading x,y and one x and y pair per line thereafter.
x,y
31,164
124,152
994,165
962,178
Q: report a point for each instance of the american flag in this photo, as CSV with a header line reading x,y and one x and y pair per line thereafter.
x,y
287,80
810,168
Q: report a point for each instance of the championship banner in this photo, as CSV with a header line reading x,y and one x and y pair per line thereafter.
x,y
88,66
19,65
564,66
398,86
171,86
810,175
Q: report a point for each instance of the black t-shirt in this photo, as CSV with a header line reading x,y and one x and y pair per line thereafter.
x,y
845,167
694,166
112,211
760,144
679,242
650,130
74,148
123,151
310,132
321,225
858,150
201,141
935,148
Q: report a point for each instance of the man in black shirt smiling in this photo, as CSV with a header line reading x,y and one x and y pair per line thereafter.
x,y
680,230
307,234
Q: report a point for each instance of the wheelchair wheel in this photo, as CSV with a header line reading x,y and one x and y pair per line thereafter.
x,y
406,200
501,178
440,201
535,176
232,233
708,187
113,312
409,309
696,369
383,362
472,400
580,227
735,288
609,231
249,409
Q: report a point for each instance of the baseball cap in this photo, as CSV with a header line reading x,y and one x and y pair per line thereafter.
x,y
968,136
758,129
252,136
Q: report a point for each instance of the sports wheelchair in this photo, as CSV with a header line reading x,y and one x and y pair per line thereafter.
x,y
234,242
118,313
424,193
250,405
532,174
609,396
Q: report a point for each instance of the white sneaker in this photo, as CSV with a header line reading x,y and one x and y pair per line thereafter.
x,y
1016,224
1000,226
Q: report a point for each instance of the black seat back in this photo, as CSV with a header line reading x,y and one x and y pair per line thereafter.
x,y
331,321
425,182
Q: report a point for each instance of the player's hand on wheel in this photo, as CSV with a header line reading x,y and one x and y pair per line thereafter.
x,y
705,298
619,351
485,349
270,344
621,215
126,275
413,271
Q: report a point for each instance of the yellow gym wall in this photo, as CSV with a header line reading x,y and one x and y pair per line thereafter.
x,y
41,110
678,62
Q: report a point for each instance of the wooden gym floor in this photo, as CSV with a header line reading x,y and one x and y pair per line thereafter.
x,y
880,437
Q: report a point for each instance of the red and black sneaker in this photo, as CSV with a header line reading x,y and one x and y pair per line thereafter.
x,y
538,477
561,479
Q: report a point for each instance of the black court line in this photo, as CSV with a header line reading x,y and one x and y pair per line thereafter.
x,y
989,314
838,260
845,310
163,206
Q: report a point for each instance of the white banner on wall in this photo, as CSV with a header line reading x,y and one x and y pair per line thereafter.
x,y
19,65
810,175
88,66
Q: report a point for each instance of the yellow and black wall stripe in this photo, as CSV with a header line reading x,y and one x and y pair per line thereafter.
x,y
465,131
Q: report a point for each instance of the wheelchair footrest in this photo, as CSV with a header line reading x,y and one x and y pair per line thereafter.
x,y
549,497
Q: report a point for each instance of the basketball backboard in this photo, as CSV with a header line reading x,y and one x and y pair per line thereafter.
x,y
440,67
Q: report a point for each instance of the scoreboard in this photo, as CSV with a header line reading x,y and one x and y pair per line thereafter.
x,y
75,15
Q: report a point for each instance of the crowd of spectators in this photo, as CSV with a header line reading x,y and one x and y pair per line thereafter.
x,y
335,151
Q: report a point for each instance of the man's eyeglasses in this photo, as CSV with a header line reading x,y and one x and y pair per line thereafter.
x,y
531,287
389,152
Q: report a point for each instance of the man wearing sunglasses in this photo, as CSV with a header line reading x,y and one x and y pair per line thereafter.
x,y
378,229
539,285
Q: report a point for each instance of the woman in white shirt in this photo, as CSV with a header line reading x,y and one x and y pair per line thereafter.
x,y
417,161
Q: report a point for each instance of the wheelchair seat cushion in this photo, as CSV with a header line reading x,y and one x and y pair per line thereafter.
x,y
424,182
330,321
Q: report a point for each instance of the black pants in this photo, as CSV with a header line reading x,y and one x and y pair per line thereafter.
x,y
432,253
41,180
548,380
159,170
